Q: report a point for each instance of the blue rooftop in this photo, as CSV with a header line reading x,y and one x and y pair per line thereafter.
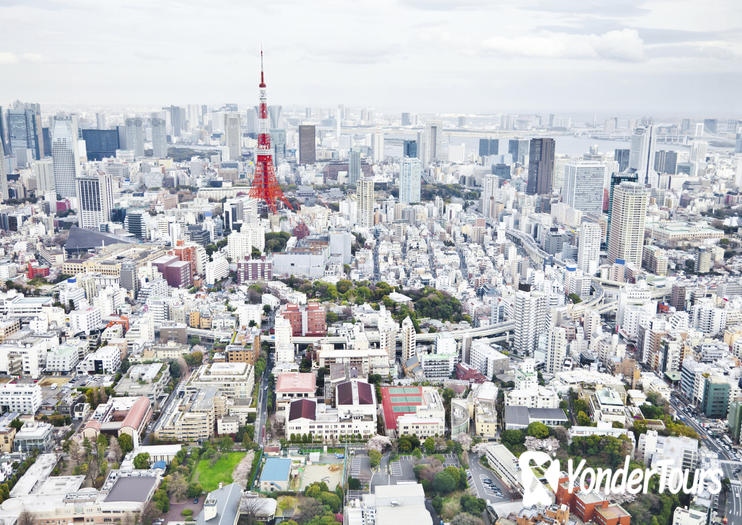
x,y
159,465
276,469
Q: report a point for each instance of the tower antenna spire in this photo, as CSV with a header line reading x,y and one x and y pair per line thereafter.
x,y
262,78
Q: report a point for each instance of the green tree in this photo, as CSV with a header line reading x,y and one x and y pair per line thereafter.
x,y
429,445
374,457
142,461
444,482
126,443
354,484
537,430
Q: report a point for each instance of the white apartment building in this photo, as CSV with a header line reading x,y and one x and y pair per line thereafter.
x,y
21,398
588,249
62,359
232,380
409,340
428,420
217,269
85,320
284,346
556,350
105,360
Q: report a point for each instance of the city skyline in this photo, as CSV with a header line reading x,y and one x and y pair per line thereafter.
x,y
408,55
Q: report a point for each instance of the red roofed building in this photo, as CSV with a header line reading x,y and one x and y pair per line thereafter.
x,y
308,320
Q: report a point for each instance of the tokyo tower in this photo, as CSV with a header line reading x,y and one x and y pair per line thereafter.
x,y
264,184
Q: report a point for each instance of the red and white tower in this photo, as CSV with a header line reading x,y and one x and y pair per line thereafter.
x,y
264,184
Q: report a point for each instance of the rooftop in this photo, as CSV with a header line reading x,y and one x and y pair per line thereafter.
x,y
276,469
295,382
131,488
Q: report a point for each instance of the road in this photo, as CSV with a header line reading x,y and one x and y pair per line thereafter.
x,y
681,409
733,509
262,404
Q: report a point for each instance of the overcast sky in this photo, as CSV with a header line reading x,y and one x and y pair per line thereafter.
x,y
615,56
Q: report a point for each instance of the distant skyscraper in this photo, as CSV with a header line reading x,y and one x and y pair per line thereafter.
x,y
159,137
738,145
518,149
409,148
24,132
588,249
641,158
365,203
101,143
406,120
622,157
583,186
4,194
489,147
378,146
431,144
307,144
274,112
540,167
44,171
354,167
100,120
711,125
4,147
232,135
177,120
410,176
65,155
278,138
95,199
135,136
629,212
666,161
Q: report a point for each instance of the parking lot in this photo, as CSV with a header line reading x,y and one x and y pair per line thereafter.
x,y
494,491
360,468
391,473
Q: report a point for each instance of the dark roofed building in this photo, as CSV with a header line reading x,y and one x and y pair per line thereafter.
x,y
519,417
222,506
132,488
302,408
81,240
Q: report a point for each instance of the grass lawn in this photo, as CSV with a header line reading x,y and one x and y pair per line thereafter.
x,y
210,476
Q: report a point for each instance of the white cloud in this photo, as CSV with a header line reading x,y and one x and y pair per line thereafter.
x,y
8,58
623,45
31,57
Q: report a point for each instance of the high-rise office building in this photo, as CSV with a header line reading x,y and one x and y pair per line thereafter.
x,y
135,136
278,138
354,167
65,156
232,135
365,203
489,147
177,120
95,200
25,132
622,157
641,156
4,146
629,211
378,146
588,249
583,186
666,161
540,166
307,144
531,319
409,148
44,171
410,176
159,137
100,121
4,194
518,150
406,119
101,143
431,144
738,143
